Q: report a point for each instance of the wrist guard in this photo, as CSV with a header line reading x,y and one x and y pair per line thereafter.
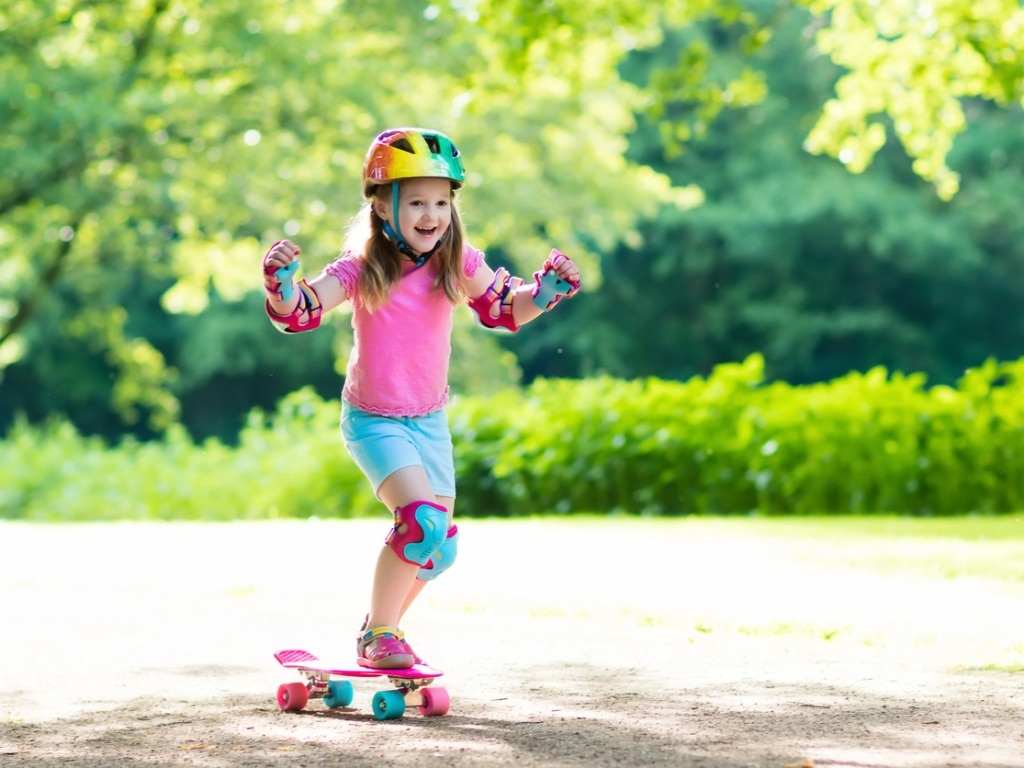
x,y
550,288
277,281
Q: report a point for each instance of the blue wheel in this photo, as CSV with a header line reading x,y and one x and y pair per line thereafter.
x,y
388,705
339,694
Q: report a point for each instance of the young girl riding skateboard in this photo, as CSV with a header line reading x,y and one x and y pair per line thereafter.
x,y
405,268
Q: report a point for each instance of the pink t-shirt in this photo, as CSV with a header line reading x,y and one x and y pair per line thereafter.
x,y
400,355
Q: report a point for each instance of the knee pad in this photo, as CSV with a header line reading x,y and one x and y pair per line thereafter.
x,y
425,526
443,558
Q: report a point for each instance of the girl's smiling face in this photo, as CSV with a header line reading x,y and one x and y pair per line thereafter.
x,y
424,211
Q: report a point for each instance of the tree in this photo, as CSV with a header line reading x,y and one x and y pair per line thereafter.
x,y
152,149
915,64
819,270
908,66
168,143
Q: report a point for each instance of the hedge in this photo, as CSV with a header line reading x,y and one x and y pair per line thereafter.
x,y
729,443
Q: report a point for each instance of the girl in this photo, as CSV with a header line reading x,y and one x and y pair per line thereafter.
x,y
405,267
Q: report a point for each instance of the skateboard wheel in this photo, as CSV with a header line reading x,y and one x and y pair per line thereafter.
x,y
435,701
292,697
388,705
339,694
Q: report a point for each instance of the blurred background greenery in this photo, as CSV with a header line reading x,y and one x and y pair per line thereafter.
x,y
827,185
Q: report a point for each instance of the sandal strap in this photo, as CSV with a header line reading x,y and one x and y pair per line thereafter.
x,y
376,632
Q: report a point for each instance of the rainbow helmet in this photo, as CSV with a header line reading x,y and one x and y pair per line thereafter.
x,y
409,153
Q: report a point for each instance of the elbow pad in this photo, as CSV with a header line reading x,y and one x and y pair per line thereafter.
x,y
499,295
305,316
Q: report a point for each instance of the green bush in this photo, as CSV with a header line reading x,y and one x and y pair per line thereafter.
x,y
728,443
290,464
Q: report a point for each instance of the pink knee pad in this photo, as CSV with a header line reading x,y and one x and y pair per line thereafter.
x,y
426,525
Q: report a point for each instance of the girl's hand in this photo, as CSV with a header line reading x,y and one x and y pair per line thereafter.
x,y
564,267
281,254
279,266
558,279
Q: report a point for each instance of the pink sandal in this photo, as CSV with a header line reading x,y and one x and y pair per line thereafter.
x,y
384,648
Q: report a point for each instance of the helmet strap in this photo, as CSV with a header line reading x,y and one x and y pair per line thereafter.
x,y
395,233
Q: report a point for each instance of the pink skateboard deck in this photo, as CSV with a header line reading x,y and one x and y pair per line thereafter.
x,y
409,686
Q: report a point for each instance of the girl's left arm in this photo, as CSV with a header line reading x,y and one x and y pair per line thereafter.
x,y
502,300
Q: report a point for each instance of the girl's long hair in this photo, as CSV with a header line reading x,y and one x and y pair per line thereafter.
x,y
382,265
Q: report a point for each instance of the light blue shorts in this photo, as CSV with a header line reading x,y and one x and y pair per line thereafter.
x,y
382,445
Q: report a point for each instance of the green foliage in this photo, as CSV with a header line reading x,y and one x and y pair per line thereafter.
x,y
821,271
728,443
914,64
163,145
53,473
151,149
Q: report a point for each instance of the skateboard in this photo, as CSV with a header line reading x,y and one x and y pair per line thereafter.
x,y
410,687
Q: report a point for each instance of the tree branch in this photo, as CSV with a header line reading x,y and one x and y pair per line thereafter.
x,y
76,165
27,307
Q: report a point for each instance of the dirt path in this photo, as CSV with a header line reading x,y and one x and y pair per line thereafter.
x,y
150,645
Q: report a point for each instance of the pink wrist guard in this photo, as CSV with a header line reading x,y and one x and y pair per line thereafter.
x,y
550,288
272,286
278,284
277,281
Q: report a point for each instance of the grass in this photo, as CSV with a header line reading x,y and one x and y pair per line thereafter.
x,y
986,547
967,528
861,583
989,547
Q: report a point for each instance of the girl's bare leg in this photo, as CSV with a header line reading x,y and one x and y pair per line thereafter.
x,y
395,586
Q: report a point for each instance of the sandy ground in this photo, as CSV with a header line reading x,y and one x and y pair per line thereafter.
x,y
622,643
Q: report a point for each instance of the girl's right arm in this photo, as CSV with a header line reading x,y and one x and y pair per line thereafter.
x,y
296,306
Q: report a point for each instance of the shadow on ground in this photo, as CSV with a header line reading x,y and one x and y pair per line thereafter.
x,y
562,716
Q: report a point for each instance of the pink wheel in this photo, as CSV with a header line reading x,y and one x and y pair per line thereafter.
x,y
292,697
435,701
